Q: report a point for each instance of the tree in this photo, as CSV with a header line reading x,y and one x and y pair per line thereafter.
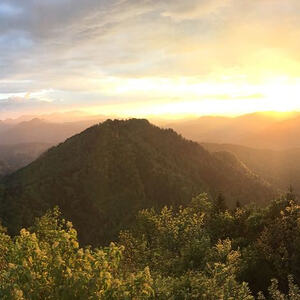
x,y
220,203
46,262
290,195
184,263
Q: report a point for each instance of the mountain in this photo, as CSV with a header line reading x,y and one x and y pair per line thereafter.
x,y
56,117
41,131
279,167
101,177
257,130
14,157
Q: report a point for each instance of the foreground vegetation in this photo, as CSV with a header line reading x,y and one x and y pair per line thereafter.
x,y
202,251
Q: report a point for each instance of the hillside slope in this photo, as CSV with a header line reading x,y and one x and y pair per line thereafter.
x,y
101,177
281,168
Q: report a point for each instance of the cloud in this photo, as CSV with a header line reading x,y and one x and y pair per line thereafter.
x,y
193,10
16,105
8,10
136,38
74,48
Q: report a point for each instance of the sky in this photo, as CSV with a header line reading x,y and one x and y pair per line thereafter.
x,y
149,57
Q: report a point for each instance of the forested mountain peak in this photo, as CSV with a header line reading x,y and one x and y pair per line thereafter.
x,y
101,177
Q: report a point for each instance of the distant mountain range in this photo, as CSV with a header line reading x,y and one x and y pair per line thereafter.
x,y
101,177
40,131
258,130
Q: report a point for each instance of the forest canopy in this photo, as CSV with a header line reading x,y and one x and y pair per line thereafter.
x,y
201,251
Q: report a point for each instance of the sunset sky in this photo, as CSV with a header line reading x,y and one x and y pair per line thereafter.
x,y
149,57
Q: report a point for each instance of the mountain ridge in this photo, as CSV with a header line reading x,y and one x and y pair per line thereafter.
x,y
102,176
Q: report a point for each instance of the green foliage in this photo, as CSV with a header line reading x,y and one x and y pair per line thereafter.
x,y
191,252
47,263
276,294
168,241
200,251
177,247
